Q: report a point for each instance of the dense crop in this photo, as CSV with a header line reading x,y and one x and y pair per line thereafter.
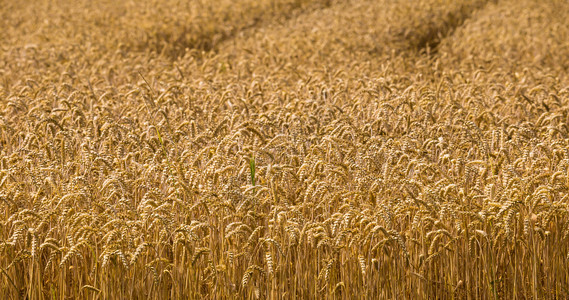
x,y
284,149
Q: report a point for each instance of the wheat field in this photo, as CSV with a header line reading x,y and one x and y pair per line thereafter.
x,y
284,149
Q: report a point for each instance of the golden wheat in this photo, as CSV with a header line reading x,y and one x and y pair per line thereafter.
x,y
284,149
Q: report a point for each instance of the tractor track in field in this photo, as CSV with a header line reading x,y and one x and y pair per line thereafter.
x,y
175,46
411,35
